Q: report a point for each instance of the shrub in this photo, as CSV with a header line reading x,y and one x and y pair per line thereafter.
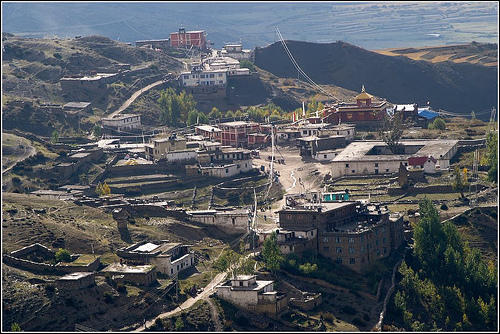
x,y
63,255
179,324
15,327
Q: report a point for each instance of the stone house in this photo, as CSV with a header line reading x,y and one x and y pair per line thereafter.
x,y
76,281
247,292
168,258
141,275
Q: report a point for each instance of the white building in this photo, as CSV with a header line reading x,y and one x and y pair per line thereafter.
x,y
236,51
123,122
169,258
230,65
374,157
247,292
180,156
227,170
227,220
327,155
203,78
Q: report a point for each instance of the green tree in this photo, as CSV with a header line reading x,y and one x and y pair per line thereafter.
x,y
229,114
492,155
247,64
54,137
430,239
215,113
97,131
63,255
438,124
15,327
272,253
228,260
179,324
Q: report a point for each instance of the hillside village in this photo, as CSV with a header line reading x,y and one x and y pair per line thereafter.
x,y
294,213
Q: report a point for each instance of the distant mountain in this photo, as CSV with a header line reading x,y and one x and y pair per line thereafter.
x,y
372,25
450,86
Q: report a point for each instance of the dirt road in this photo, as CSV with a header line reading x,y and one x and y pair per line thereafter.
x,y
134,96
296,176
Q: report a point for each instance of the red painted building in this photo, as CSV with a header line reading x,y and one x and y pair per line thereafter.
x,y
236,133
257,139
364,113
187,39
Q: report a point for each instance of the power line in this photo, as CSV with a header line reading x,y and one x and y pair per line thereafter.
x,y
299,69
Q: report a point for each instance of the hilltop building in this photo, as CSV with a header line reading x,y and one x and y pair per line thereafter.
x,y
235,51
254,295
187,39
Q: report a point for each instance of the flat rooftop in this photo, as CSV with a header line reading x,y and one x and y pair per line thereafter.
x,y
127,269
74,276
238,123
76,105
357,151
325,207
208,128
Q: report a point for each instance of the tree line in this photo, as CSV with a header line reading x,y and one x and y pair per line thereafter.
x,y
444,283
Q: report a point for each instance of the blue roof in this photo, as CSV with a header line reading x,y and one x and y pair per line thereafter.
x,y
427,113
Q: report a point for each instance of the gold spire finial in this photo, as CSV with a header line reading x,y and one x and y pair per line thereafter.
x,y
362,88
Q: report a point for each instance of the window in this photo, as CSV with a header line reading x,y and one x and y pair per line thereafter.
x,y
339,250
221,82
362,249
326,249
383,241
376,164
339,260
406,164
219,75
351,250
211,76
324,155
376,242
378,252
352,260
227,170
325,239
337,240
346,165
351,240
385,250
353,171
241,283
186,77
171,270
387,169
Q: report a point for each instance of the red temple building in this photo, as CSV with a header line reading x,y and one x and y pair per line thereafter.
x,y
364,113
187,39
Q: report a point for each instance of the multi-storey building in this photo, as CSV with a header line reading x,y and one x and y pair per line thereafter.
x,y
186,39
236,133
350,233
